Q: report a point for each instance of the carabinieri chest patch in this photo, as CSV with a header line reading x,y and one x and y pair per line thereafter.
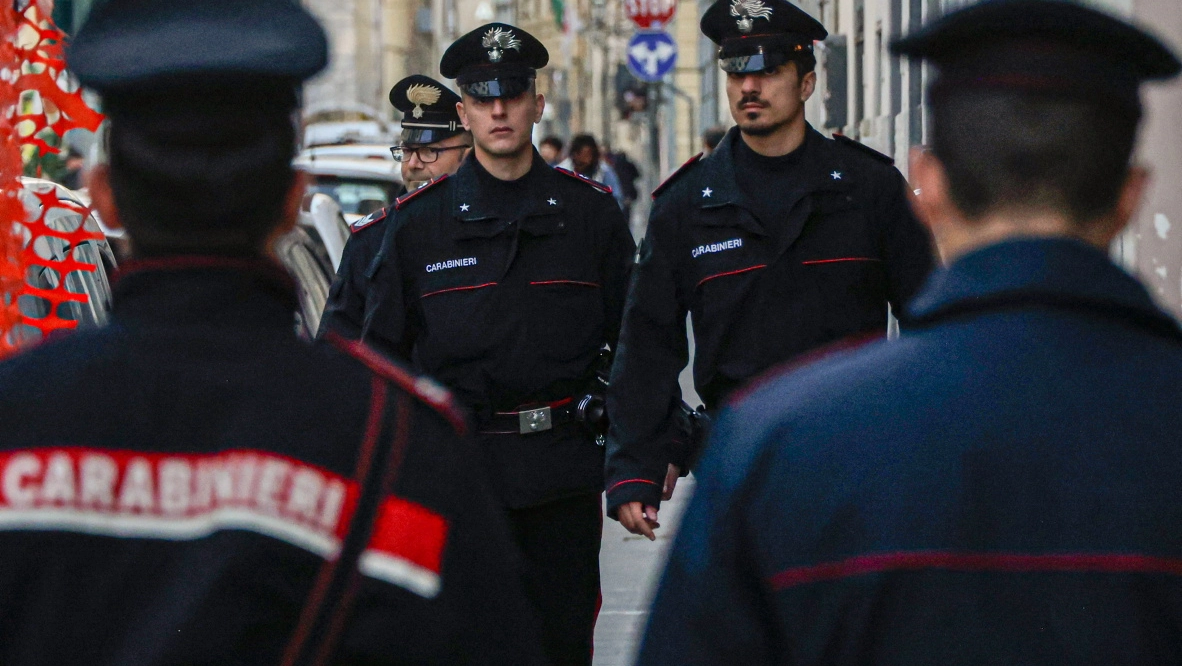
x,y
451,263
717,247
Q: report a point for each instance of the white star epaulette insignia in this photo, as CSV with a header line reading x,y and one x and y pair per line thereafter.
x,y
846,141
401,201
580,177
677,174
376,216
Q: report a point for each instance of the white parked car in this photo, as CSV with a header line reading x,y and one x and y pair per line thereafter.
x,y
359,185
321,215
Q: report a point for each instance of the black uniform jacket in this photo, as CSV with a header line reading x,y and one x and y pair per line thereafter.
x,y
354,298
172,485
507,300
760,292
1000,485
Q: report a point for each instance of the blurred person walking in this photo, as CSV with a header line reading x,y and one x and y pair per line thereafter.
x,y
506,281
780,242
1002,484
586,160
627,173
194,483
550,148
711,138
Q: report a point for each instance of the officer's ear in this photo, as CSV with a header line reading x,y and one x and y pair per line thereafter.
x,y
808,85
1101,232
102,199
932,199
463,114
539,107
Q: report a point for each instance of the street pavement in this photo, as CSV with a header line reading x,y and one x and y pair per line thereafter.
x,y
631,567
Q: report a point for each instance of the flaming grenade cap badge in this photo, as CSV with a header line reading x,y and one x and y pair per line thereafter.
x,y
422,95
497,41
746,11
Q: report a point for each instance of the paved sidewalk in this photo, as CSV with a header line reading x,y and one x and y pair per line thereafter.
x,y
631,568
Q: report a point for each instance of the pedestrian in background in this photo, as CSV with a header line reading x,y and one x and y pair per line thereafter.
x,y
628,173
433,144
193,483
586,160
711,138
506,281
1002,484
779,242
551,150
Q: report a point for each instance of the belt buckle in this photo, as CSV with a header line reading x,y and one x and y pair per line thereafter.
x,y
534,420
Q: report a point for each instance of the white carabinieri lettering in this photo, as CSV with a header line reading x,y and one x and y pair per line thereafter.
x,y
717,247
451,263
180,497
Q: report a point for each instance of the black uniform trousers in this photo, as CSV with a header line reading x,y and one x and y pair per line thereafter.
x,y
559,543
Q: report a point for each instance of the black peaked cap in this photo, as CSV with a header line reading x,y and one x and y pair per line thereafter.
x,y
493,51
730,23
428,109
1056,45
129,44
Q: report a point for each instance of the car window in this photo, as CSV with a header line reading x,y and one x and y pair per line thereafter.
x,y
350,192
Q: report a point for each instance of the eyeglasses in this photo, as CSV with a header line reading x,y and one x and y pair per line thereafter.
x,y
427,154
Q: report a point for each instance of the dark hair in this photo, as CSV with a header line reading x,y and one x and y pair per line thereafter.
x,y
194,175
581,141
1006,149
552,141
806,61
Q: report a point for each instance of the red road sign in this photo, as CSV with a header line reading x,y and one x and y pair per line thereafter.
x,y
650,14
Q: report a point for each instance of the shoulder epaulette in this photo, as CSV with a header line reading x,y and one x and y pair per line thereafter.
x,y
606,189
677,174
401,201
846,141
424,389
376,216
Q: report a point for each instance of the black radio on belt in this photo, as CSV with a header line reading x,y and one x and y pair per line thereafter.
x,y
592,412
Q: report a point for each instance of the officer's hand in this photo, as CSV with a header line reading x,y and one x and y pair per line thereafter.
x,y
671,477
639,519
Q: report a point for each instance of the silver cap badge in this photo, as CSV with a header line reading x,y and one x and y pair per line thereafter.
x,y
497,41
746,11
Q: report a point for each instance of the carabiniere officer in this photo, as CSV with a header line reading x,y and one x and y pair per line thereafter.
x,y
504,282
779,242
433,143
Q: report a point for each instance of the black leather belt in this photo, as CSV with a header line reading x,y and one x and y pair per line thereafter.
x,y
533,420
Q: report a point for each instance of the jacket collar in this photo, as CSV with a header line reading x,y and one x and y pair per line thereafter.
x,y
1045,271
472,202
823,167
209,291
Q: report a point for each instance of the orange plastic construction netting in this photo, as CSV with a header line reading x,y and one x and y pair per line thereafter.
x,y
37,99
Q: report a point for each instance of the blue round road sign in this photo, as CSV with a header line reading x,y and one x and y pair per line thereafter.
x,y
651,55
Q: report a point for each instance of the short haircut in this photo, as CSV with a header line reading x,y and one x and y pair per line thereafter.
x,y
1009,150
195,176
581,141
806,61
552,141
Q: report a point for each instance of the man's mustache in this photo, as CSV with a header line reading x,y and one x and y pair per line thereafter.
x,y
752,99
